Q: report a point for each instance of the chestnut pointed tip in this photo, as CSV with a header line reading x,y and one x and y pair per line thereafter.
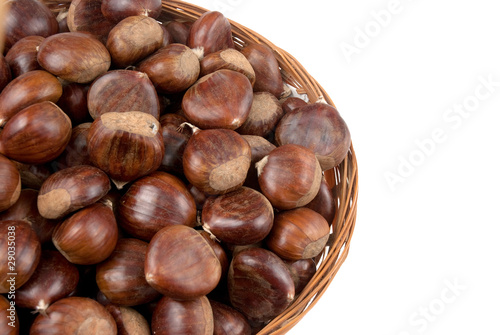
x,y
199,52
260,165
41,308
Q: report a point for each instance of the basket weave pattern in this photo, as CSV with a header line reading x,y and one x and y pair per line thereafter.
x,y
343,179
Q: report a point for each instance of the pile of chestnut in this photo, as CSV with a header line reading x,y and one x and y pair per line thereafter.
x,y
155,178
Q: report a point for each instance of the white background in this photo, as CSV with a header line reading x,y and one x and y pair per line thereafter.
x,y
438,227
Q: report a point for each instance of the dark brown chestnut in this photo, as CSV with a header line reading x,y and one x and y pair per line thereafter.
x,y
128,320
288,104
267,71
9,322
219,252
221,99
181,264
5,72
319,127
324,203
260,148
121,277
54,278
228,321
230,59
216,161
73,102
26,90
28,18
33,175
302,271
70,189
126,145
22,56
298,233
88,236
123,91
172,69
265,113
290,176
75,57
75,316
153,202
240,217
10,188
259,284
132,39
22,251
117,10
175,139
87,16
212,32
178,30
37,134
76,152
189,317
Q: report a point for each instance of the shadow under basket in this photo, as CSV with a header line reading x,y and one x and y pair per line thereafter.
x,y
343,179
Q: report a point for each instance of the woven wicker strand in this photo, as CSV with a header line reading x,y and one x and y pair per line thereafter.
x,y
343,179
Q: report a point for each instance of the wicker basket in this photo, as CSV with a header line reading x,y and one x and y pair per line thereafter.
x,y
343,178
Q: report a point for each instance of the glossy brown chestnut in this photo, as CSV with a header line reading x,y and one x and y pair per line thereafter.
x,y
26,90
219,252
302,271
190,317
22,56
87,16
324,203
126,145
75,316
319,127
180,264
175,139
28,18
216,161
265,113
299,233
260,148
290,103
22,251
199,196
128,320
230,59
26,209
267,71
228,321
37,134
123,91
88,236
9,322
212,32
132,39
121,277
240,217
74,56
76,152
178,30
33,175
153,202
70,189
10,188
221,99
5,72
117,10
73,102
172,69
290,176
54,278
259,284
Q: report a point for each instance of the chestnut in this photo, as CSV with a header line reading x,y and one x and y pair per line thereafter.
x,y
22,253
298,233
319,127
260,148
178,30
73,102
123,91
212,32
290,176
74,56
265,113
37,134
26,90
33,175
28,18
324,203
219,252
54,278
227,320
70,189
189,317
243,216
153,202
75,315
22,56
172,69
288,104
175,139
121,277
302,271
76,152
9,322
88,236
117,10
10,188
132,39
126,145
181,264
5,72
267,71
230,59
87,16
128,320
216,161
221,99
259,284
